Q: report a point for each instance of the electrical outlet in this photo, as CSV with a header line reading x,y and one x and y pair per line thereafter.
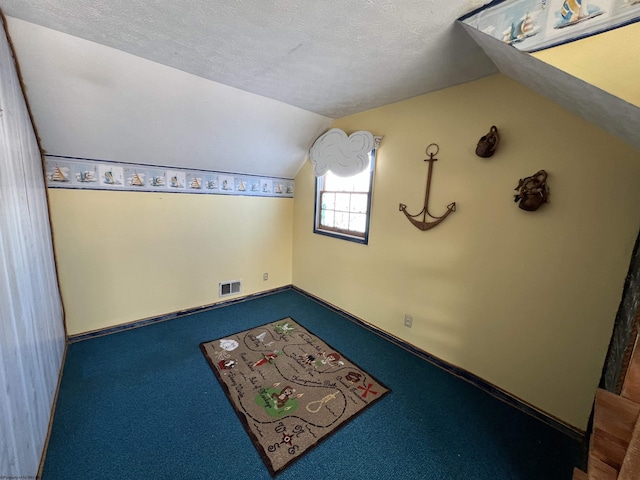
x,y
408,320
265,276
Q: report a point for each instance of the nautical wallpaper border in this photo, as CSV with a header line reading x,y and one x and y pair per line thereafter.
x,y
87,174
531,25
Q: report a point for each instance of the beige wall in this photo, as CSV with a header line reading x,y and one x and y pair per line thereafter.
x,y
524,300
609,61
126,256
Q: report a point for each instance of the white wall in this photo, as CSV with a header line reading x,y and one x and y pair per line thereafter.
x,y
93,101
32,336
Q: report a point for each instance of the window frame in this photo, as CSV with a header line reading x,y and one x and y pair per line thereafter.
x,y
344,234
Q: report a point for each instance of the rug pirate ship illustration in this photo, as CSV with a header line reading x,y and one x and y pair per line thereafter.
x,y
576,11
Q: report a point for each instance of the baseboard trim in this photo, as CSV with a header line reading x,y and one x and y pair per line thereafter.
x,y
170,316
52,413
461,373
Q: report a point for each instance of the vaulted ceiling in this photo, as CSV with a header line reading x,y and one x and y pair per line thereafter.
x,y
332,57
274,73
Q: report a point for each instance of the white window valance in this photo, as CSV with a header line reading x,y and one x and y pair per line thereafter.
x,y
343,155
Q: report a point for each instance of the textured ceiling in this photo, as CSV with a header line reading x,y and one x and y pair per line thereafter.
x,y
317,59
331,57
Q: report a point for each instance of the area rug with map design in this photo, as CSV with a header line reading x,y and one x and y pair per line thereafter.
x,y
289,388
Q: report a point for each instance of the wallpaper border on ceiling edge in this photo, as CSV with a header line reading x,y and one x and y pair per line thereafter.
x,y
534,25
87,174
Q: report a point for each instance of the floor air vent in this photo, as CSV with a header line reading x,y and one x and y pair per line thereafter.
x,y
229,288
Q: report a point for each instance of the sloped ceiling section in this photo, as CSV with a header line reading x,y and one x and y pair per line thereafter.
x,y
93,101
243,86
618,117
331,57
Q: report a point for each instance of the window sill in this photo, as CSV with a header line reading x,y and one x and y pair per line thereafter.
x,y
342,236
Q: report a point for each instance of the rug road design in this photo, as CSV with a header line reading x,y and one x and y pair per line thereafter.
x,y
289,388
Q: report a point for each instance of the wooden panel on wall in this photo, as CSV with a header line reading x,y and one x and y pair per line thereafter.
x,y
631,385
32,336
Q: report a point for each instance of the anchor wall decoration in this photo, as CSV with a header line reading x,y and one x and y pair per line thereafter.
x,y
424,224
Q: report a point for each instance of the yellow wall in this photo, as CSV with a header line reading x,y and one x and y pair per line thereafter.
x,y
609,61
524,300
125,256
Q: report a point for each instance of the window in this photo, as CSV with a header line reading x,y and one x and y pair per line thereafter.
x,y
343,204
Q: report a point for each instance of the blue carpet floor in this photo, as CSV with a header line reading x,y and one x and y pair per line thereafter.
x,y
144,404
